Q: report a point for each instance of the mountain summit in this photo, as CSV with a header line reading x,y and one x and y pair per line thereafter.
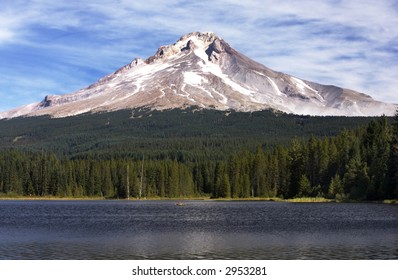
x,y
201,69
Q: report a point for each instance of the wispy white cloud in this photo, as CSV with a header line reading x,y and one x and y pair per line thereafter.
x,y
68,44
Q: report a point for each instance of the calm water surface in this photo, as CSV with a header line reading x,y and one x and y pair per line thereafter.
x,y
199,230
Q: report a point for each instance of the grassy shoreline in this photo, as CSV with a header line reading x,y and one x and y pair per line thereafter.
x,y
49,198
271,199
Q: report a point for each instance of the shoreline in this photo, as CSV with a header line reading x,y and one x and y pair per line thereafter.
x,y
270,199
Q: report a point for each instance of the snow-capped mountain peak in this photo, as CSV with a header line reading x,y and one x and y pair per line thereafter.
x,y
202,70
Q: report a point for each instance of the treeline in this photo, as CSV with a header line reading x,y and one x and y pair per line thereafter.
x,y
44,174
359,164
185,135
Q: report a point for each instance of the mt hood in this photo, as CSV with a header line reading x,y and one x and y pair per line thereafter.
x,y
202,70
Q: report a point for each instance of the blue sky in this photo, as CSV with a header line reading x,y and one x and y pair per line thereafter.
x,y
57,47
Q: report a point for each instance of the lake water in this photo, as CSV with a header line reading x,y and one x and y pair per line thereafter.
x,y
198,230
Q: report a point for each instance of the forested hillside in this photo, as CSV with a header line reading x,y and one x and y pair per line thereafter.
x,y
188,154
184,135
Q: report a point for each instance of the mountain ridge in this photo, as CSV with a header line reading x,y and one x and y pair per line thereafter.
x,y
203,70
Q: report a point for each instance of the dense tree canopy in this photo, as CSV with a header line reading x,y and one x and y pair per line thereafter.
x,y
360,164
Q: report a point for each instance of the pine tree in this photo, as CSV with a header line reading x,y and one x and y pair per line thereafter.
x,y
218,178
336,188
304,185
283,160
246,186
173,179
356,179
272,175
377,149
392,190
236,176
225,186
258,173
313,161
222,186
297,167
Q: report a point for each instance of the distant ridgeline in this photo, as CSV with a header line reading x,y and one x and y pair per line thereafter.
x,y
192,153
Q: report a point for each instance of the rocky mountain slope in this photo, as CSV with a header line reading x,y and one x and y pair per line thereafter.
x,y
203,70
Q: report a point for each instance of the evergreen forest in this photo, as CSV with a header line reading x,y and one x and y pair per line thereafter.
x,y
200,153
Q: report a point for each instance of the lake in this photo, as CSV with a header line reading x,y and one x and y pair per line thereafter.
x,y
199,230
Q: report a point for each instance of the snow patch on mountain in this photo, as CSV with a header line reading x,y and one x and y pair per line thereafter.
x,y
275,87
194,79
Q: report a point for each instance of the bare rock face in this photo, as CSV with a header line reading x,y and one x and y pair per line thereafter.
x,y
214,50
203,70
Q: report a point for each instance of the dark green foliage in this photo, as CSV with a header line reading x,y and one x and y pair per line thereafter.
x,y
43,174
336,188
392,186
190,154
184,135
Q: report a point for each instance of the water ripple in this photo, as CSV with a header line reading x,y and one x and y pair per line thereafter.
x,y
200,230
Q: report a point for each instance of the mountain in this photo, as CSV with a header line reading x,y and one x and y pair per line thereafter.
x,y
203,70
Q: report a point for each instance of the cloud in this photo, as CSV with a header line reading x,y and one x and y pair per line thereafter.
x,y
67,45
5,35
